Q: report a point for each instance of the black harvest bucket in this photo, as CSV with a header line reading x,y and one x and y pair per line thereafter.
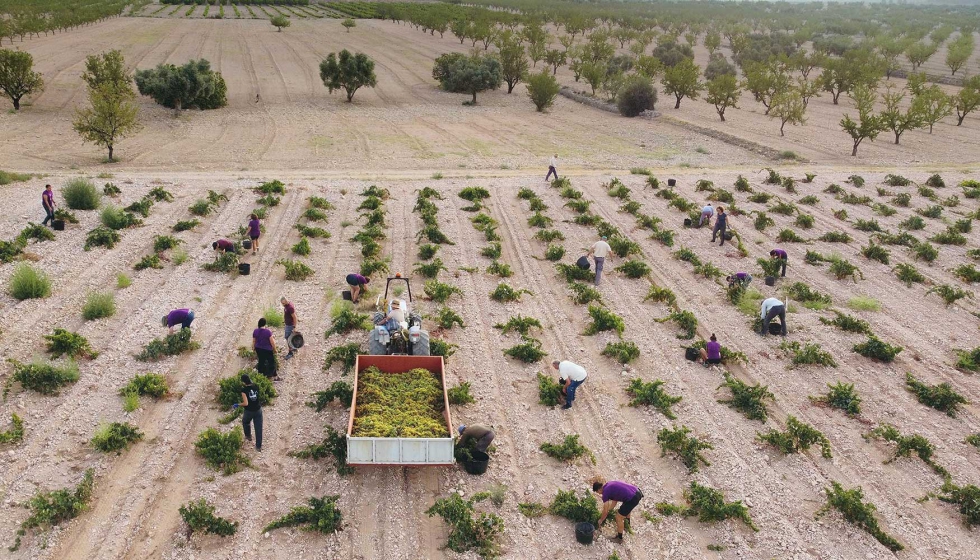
x,y
58,225
244,269
584,532
770,280
478,464
671,182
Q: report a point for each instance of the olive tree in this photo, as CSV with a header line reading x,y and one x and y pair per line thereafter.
x,y
347,71
459,73
279,22
635,95
542,88
193,85
681,80
723,92
868,124
17,76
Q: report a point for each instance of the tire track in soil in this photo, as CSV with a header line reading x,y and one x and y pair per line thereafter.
x,y
600,420
169,493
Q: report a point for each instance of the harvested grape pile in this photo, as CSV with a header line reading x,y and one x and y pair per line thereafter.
x,y
405,405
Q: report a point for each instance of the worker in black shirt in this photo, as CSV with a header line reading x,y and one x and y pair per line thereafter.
x,y
721,225
253,411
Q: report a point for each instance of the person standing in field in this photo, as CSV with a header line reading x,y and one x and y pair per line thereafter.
x,y
356,283
480,434
290,321
721,224
552,167
265,350
182,317
254,231
706,214
253,411
47,200
574,375
772,308
614,492
711,353
781,255
599,251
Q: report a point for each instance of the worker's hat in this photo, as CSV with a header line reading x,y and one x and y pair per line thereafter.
x,y
462,428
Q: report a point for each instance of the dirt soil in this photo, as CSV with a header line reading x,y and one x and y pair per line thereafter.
x,y
320,146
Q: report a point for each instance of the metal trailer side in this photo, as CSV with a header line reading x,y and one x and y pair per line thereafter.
x,y
400,451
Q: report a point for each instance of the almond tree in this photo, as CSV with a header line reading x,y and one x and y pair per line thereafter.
x,y
681,81
868,124
895,119
788,107
17,76
933,104
765,80
723,92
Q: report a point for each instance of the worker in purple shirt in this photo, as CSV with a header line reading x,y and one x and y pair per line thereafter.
x,y
47,200
741,278
254,230
182,317
612,492
711,353
265,350
224,246
781,255
356,283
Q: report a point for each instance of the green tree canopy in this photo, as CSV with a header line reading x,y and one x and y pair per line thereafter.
x,y
459,73
279,21
542,88
723,92
193,85
17,76
349,72
682,81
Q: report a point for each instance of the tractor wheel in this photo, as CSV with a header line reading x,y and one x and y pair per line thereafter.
x,y
421,348
375,348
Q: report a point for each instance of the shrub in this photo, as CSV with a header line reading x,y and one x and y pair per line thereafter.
x,y
123,281
171,345
584,294
789,236
636,95
16,432
370,267
604,320
42,376
851,505
27,282
809,353
664,236
967,498
222,452
81,194
942,397
341,391
634,269
840,214
903,200
73,344
460,394
842,269
296,271
446,318
934,211
747,399
949,237
200,207
962,226
967,273
835,237
935,181
762,221
149,261
442,348
468,533
152,384
115,436
554,253
908,274
199,517
896,181
500,269
950,294
50,508
841,396
315,232
302,248
223,262
321,515
141,207
661,295
35,232
804,221
709,506
797,438
905,445
847,323
784,208
520,324
568,450
528,351
877,350
335,444
549,390
102,237
652,394
344,319
185,225
875,253
623,352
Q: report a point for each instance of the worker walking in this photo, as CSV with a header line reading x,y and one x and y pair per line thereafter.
x,y
742,279
572,376
265,350
47,201
711,353
772,308
781,255
253,411
223,246
290,320
706,214
614,492
254,231
721,226
599,251
552,168
182,317
480,434
357,284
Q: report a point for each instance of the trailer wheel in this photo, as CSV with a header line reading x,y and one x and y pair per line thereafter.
x,y
421,348
375,348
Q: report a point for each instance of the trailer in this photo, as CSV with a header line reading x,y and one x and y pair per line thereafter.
x,y
362,451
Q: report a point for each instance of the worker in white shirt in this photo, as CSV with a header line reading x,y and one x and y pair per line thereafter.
x,y
599,250
706,213
552,167
772,308
574,375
